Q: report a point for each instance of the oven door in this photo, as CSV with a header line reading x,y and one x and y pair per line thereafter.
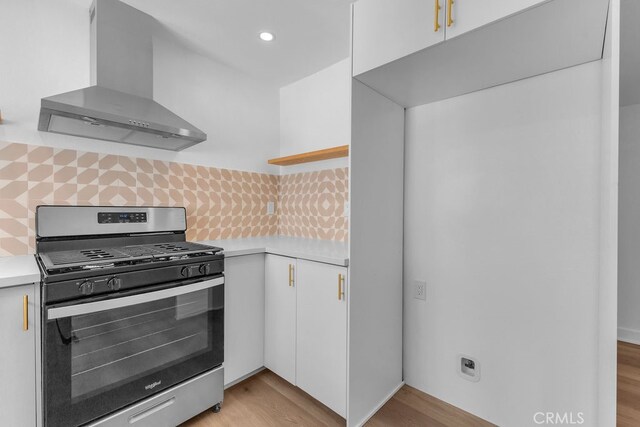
x,y
105,354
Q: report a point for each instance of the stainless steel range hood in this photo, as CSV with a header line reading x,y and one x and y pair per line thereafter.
x,y
119,105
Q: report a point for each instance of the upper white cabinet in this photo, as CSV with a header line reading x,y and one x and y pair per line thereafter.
x,y
243,316
510,41
385,30
467,15
321,344
18,363
280,316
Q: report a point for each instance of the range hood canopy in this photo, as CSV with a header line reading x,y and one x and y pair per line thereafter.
x,y
119,105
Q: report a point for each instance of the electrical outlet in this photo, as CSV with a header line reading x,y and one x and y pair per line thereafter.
x,y
420,290
347,209
468,368
271,208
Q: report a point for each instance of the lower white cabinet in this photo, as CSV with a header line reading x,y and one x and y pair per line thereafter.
x,y
18,363
306,327
243,316
280,316
321,339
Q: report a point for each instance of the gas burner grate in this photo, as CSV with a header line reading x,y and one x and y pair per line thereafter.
x,y
181,247
171,248
84,256
138,251
88,259
97,254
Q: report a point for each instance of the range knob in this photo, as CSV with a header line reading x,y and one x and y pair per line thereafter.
x,y
115,283
86,287
185,272
205,269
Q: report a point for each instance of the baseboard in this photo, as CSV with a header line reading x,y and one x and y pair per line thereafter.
x,y
244,377
380,405
629,335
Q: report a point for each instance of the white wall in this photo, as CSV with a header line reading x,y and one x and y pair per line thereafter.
x,y
607,297
315,113
629,243
45,51
502,204
239,115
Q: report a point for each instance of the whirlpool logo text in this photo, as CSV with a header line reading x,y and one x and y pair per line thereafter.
x,y
152,385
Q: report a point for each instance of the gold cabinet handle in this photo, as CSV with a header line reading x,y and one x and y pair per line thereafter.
x,y
290,275
436,21
340,286
25,313
449,13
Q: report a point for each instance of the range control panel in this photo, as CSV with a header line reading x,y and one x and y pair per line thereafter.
x,y
121,217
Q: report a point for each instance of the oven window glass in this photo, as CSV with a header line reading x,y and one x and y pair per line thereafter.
x,y
118,345
97,363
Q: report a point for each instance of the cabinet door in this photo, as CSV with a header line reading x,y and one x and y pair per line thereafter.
x,y
243,316
17,363
467,15
322,333
280,316
385,30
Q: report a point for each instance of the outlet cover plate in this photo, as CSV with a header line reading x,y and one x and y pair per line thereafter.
x,y
469,374
420,290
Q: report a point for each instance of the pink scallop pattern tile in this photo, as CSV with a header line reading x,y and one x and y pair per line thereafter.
x,y
312,204
220,203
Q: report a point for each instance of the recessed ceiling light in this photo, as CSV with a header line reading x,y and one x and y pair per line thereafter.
x,y
266,36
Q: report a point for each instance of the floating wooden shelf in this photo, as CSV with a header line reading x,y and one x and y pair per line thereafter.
x,y
312,156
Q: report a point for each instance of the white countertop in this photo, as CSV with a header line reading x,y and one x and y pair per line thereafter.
x,y
18,270
326,251
23,269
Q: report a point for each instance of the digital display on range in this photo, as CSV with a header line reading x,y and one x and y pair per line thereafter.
x,y
121,217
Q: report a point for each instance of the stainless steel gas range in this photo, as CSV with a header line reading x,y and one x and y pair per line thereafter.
x,y
132,317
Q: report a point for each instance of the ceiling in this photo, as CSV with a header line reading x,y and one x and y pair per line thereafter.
x,y
310,34
629,53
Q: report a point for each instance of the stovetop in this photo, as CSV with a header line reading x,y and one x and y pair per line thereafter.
x,y
89,252
89,259
98,272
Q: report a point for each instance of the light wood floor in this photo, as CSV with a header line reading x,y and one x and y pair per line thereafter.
x,y
267,400
628,385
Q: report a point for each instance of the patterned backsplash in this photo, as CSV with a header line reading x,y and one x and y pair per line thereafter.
x,y
312,204
220,203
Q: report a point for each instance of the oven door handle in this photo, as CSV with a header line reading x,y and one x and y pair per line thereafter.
x,y
93,307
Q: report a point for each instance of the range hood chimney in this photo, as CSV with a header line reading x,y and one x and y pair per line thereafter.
x,y
119,105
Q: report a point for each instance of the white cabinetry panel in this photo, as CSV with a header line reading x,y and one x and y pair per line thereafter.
x,y
17,363
321,368
280,316
243,316
468,15
385,30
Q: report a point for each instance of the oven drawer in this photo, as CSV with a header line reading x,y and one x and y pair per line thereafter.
x,y
174,406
